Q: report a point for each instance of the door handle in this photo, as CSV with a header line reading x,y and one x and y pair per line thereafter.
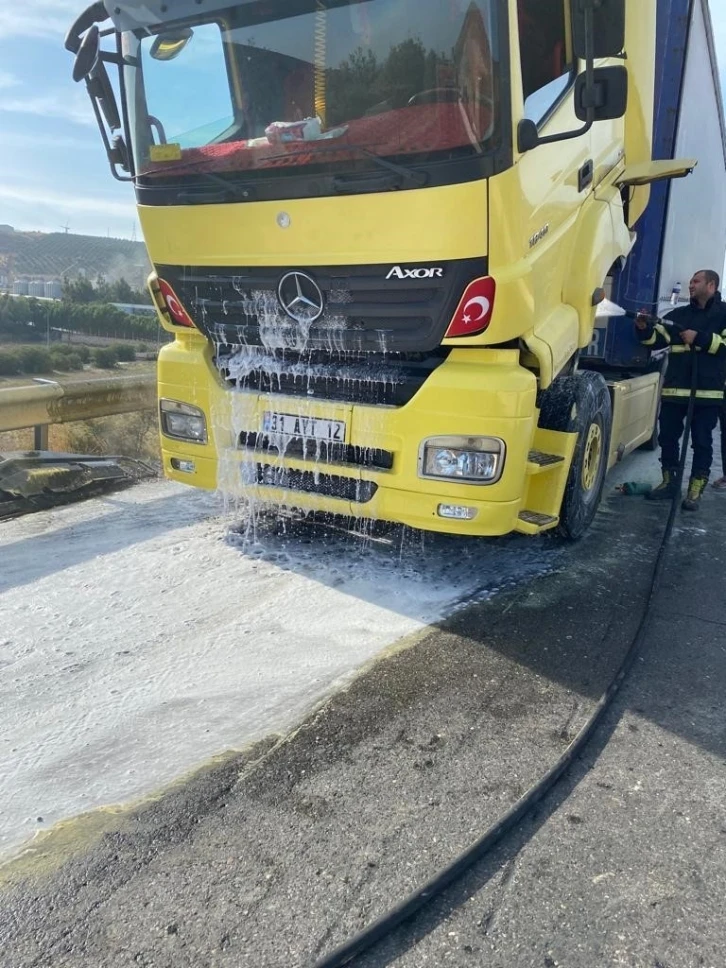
x,y
585,175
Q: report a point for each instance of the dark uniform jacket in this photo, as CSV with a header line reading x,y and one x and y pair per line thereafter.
x,y
709,347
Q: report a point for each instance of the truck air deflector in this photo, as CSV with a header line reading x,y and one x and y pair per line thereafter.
x,y
654,171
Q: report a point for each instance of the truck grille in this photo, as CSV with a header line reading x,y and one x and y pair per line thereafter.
x,y
310,482
372,379
366,309
319,451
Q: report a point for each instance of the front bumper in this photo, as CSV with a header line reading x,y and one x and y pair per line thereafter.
x,y
476,392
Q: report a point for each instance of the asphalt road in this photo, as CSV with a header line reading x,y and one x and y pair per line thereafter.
x,y
271,858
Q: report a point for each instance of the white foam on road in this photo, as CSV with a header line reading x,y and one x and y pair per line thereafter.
x,y
140,635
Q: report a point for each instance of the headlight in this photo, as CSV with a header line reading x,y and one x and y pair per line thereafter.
x,y
473,460
183,421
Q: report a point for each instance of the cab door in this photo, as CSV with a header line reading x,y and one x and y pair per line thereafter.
x,y
555,178
535,203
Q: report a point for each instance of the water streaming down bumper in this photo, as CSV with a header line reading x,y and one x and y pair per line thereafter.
x,y
370,364
373,473
375,379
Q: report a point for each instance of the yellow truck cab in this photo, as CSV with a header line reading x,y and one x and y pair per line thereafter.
x,y
380,232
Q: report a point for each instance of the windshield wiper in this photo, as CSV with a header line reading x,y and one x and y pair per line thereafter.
x,y
412,175
394,176
245,191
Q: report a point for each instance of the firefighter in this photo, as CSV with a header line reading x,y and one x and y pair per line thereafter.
x,y
694,334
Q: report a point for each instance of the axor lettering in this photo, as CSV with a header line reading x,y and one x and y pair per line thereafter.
x,y
397,272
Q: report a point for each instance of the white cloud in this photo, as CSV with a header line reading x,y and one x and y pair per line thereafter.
x,y
7,80
67,205
34,207
38,18
75,108
35,141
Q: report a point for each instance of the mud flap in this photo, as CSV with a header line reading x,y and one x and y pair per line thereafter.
x,y
37,480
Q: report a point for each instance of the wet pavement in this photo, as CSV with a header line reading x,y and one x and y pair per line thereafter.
x,y
273,857
147,631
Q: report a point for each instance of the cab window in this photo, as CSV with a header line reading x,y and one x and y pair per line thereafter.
x,y
546,66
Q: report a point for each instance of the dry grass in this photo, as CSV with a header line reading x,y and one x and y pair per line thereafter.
x,y
130,434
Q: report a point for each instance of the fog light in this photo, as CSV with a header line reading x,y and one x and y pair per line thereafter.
x,y
183,421
474,460
456,511
185,466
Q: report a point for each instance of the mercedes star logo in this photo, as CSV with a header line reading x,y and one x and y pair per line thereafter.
x,y
300,297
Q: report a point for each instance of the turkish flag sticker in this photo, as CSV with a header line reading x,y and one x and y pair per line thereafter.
x,y
178,313
474,312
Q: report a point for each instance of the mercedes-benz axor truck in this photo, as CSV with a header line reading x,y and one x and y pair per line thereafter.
x,y
383,233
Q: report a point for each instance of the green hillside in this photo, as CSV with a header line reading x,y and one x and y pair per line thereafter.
x,y
57,254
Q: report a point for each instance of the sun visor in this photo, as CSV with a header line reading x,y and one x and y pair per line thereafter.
x,y
147,14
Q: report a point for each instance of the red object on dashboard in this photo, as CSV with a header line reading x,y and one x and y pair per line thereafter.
x,y
414,128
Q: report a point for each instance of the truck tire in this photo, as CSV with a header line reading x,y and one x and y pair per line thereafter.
x,y
580,404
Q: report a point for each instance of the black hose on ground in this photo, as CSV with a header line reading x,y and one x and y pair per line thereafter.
x,y
396,916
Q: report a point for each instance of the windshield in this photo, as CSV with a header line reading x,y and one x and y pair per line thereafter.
x,y
256,87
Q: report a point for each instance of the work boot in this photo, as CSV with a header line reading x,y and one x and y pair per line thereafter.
x,y
666,490
696,487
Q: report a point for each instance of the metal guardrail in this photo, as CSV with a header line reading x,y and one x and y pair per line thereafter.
x,y
44,403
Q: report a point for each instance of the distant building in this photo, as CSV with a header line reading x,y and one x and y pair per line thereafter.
x,y
53,289
36,288
21,287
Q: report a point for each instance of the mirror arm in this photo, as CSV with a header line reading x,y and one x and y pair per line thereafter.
x,y
109,57
95,14
107,144
589,70
566,135
589,63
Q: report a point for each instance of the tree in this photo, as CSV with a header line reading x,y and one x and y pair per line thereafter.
x,y
78,291
83,291
363,85
122,292
352,87
27,320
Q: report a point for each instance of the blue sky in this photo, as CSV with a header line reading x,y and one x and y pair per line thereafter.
x,y
53,170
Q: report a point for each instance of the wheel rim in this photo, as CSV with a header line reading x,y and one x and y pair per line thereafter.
x,y
592,457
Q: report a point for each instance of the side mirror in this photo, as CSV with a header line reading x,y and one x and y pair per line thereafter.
x,y
99,87
170,44
608,95
88,54
607,19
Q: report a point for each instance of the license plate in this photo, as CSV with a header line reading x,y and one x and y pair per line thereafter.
x,y
291,425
